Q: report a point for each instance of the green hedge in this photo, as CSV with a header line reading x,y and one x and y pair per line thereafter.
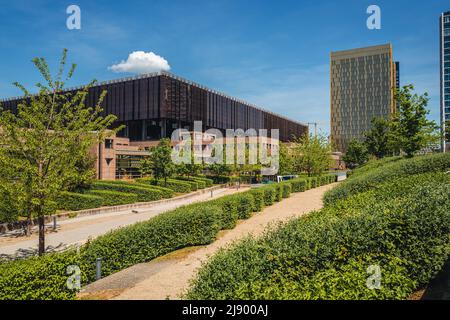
x,y
114,198
391,170
208,182
298,185
166,192
72,201
196,183
229,215
175,185
42,278
45,277
313,182
144,194
258,199
401,226
196,224
286,190
269,195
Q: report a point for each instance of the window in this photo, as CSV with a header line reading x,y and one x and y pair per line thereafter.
x,y
446,19
109,143
447,32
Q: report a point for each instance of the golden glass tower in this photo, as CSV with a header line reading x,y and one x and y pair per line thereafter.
x,y
362,88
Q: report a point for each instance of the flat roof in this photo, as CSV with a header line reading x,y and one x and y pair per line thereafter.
x,y
357,52
173,76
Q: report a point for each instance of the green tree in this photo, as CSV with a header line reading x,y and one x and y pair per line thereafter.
x,y
160,159
447,130
286,160
43,142
312,154
146,166
377,140
356,154
410,129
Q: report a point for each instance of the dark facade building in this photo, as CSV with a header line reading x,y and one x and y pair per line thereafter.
x,y
444,28
152,106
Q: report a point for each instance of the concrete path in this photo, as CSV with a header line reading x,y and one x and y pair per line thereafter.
x,y
78,230
169,276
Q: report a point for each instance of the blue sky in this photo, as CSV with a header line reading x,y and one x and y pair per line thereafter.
x,y
271,53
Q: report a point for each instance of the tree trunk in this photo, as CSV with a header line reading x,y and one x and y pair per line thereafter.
x,y
28,227
41,222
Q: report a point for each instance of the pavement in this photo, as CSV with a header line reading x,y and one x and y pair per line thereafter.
x,y
168,277
77,231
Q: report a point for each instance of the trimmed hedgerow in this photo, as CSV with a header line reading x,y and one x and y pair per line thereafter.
x,y
195,224
402,226
286,190
258,199
392,170
313,182
114,198
198,184
298,185
184,226
144,194
175,185
45,277
229,215
269,195
278,192
38,278
76,201
208,182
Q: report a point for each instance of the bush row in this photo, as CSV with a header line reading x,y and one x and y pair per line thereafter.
x,y
143,193
391,170
400,226
195,224
175,185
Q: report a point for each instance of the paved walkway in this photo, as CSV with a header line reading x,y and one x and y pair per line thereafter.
x,y
169,276
79,230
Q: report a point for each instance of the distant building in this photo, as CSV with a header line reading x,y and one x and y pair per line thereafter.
x,y
153,106
362,88
444,53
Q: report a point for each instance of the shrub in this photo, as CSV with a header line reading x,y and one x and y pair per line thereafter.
x,y
258,199
114,198
197,183
313,182
269,195
229,211
76,201
245,204
390,170
175,185
144,241
222,179
208,182
193,184
298,185
37,278
144,194
402,225
286,188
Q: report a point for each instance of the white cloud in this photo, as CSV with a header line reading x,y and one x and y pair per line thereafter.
x,y
141,62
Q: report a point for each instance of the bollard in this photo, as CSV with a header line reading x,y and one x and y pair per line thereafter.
x,y
54,223
211,193
98,269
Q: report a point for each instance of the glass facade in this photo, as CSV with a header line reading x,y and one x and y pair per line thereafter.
x,y
444,28
362,82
